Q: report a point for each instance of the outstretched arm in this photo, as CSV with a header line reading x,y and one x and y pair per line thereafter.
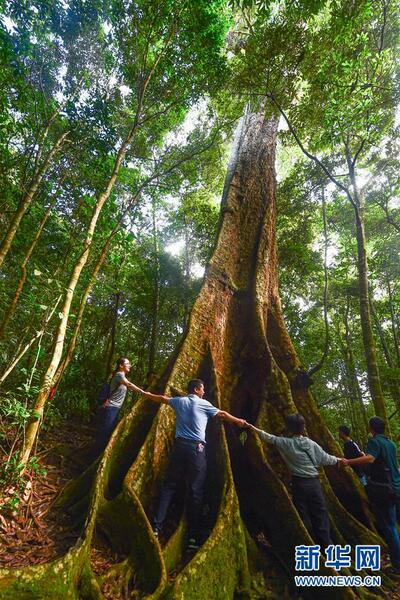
x,y
264,435
155,397
361,460
225,416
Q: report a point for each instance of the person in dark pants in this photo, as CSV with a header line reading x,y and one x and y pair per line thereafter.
x,y
381,455
303,457
108,413
188,458
351,450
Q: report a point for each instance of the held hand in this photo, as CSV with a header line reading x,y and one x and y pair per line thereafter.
x,y
244,424
343,462
249,426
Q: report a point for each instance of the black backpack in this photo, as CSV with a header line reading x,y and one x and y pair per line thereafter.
x,y
105,392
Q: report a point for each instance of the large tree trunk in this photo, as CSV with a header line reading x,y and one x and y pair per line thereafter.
x,y
237,342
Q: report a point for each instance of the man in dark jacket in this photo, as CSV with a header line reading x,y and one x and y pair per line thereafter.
x,y
351,450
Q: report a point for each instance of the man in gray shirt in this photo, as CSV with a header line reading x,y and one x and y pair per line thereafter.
x,y
303,457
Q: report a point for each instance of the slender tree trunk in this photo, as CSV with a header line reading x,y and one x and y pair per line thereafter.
x,y
82,305
394,322
111,352
154,333
374,381
393,384
24,350
187,274
11,310
28,197
320,363
48,378
348,356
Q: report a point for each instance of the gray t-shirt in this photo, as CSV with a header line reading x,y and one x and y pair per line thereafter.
x,y
117,390
301,454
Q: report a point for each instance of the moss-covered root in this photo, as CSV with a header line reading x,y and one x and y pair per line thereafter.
x,y
52,581
128,530
224,551
350,529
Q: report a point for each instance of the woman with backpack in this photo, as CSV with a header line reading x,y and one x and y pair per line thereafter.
x,y
112,397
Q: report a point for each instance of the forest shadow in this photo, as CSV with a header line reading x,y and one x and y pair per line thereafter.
x,y
127,447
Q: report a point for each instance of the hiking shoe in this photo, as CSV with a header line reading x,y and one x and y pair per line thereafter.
x,y
193,544
156,532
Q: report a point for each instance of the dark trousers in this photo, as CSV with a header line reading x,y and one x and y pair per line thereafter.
x,y
188,460
106,422
309,500
386,518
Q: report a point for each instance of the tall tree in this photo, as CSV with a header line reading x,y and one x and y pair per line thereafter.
x,y
238,343
341,65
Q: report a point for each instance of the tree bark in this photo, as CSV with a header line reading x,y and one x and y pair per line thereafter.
x,y
374,381
28,197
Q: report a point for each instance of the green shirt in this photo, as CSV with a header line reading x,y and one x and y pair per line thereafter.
x,y
380,443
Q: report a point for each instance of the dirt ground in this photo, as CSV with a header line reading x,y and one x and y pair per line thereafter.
x,y
36,532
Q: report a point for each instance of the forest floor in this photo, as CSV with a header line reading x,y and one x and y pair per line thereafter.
x,y
35,532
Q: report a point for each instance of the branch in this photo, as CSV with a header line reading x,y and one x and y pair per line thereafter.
x,y
325,169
